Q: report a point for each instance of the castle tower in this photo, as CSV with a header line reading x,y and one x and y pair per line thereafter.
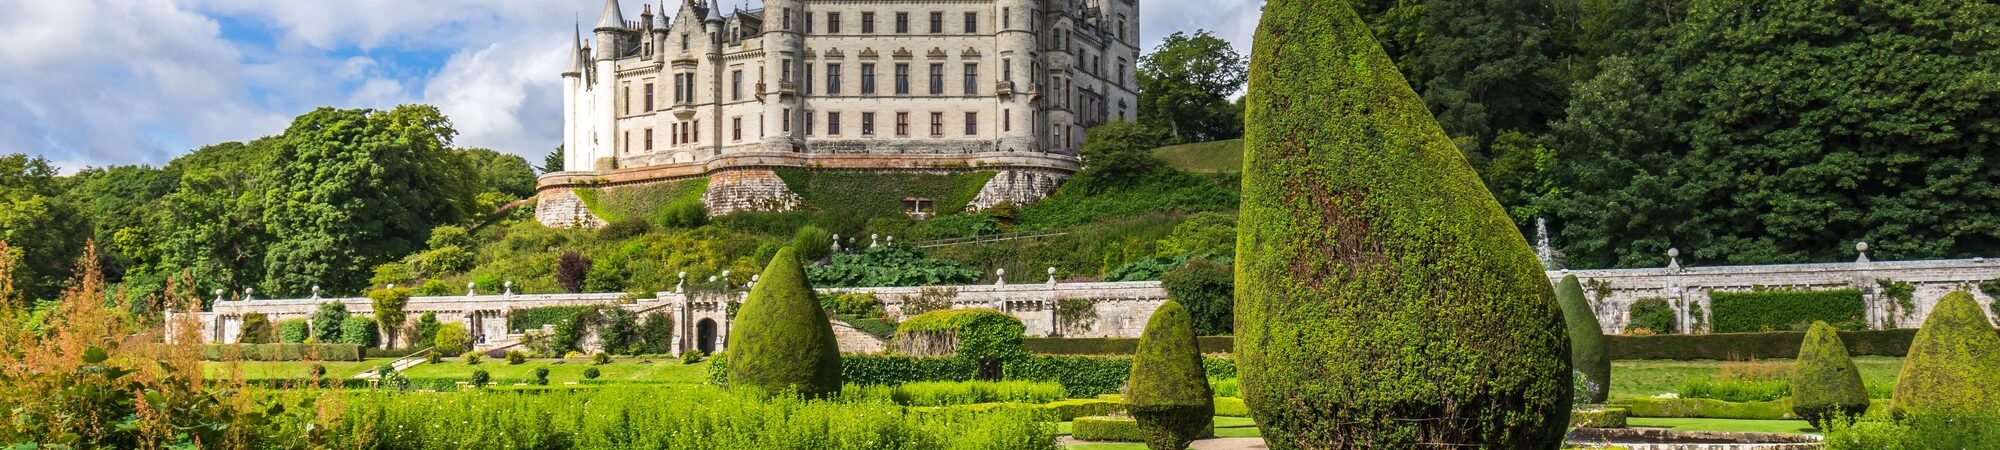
x,y
573,83
784,50
1015,43
610,42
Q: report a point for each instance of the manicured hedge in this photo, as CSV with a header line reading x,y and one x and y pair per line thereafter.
x,y
1112,346
1783,310
1107,428
1060,411
527,319
1740,346
1711,408
868,370
978,332
1231,407
283,352
1085,376
1604,418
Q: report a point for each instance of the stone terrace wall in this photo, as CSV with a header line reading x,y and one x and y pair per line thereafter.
x,y
1687,288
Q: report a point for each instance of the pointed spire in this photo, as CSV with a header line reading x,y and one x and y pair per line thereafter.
x,y
660,23
614,18
714,14
576,52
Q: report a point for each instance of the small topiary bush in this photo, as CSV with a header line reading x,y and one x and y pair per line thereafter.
x,y
1168,393
781,341
1954,365
472,358
1599,418
541,376
516,357
315,371
292,331
600,358
1383,297
358,330
691,356
591,373
433,357
1825,384
1589,350
1108,428
480,378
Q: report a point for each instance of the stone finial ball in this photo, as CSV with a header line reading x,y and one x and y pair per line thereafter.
x,y
218,292
1861,246
1052,271
1674,252
470,285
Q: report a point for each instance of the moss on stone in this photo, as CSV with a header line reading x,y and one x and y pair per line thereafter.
x,y
1953,367
1168,391
781,342
1589,350
1384,299
1825,384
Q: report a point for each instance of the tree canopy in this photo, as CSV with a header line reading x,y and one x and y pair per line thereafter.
x,y
1185,86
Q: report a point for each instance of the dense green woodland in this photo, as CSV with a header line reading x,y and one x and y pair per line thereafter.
x,y
1772,131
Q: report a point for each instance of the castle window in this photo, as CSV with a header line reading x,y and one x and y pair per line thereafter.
x,y
684,42
971,123
809,22
918,207
1121,71
937,124
902,79
937,22
867,79
649,139
788,19
971,23
868,23
649,96
785,71
627,94
785,122
1006,120
736,84
903,124
833,79
1121,26
809,79
902,23
626,146
736,129
937,79
868,124
1006,70
833,124
833,23
1006,17
972,79
809,123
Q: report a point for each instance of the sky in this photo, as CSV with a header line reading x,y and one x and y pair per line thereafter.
x,y
93,83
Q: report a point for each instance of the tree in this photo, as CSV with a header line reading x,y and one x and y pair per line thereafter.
x,y
426,331
1953,364
326,322
620,331
1168,392
553,162
1118,154
213,222
656,334
781,341
501,172
1589,350
40,228
388,305
1383,297
1185,85
359,330
1825,384
350,189
1208,291
1481,66
572,269
1202,235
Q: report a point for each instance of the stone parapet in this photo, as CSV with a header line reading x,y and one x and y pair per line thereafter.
x,y
1612,291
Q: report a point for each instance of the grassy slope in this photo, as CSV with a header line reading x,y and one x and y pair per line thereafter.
x,y
1206,157
1635,378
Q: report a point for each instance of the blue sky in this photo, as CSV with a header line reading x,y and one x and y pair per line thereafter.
x,y
108,82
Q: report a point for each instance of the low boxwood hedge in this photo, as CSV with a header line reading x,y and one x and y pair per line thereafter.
x,y
868,370
1743,346
1060,411
283,352
1709,408
1107,428
1113,346
1231,407
1603,418
1085,376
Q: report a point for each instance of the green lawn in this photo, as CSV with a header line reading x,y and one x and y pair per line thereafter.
x,y
659,370
1205,157
1646,378
273,370
1752,426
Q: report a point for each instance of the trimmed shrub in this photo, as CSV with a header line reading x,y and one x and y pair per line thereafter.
x,y
1746,346
1598,418
472,358
530,319
781,341
1231,407
1108,428
292,331
942,393
1383,297
433,357
1784,310
359,330
591,373
480,378
1112,346
1954,363
282,352
691,356
1085,376
1168,393
452,338
977,334
869,370
327,321
1652,314
600,358
315,371
516,357
541,376
1711,408
1589,351
256,330
1737,390
1068,410
1824,382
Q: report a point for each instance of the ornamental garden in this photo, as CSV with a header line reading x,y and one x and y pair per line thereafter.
x,y
1381,299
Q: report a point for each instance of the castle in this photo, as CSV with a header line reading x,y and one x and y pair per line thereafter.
x,y
1007,86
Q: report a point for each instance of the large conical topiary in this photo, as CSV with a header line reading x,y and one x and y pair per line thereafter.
x,y
1589,350
1825,384
781,341
1953,368
1383,298
1168,391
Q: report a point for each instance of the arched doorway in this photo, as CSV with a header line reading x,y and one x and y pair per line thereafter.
x,y
704,332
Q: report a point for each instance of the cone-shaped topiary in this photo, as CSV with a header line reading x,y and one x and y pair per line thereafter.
x,y
1589,350
781,341
1383,298
1168,392
1953,367
1825,384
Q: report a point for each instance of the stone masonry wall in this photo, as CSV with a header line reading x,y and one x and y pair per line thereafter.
x,y
748,190
1018,187
561,208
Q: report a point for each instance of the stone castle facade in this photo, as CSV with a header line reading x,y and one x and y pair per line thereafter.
x,y
934,86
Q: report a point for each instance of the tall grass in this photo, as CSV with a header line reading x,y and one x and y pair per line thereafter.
x,y
1737,390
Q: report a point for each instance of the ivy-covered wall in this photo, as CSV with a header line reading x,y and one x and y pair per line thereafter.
x,y
1786,310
